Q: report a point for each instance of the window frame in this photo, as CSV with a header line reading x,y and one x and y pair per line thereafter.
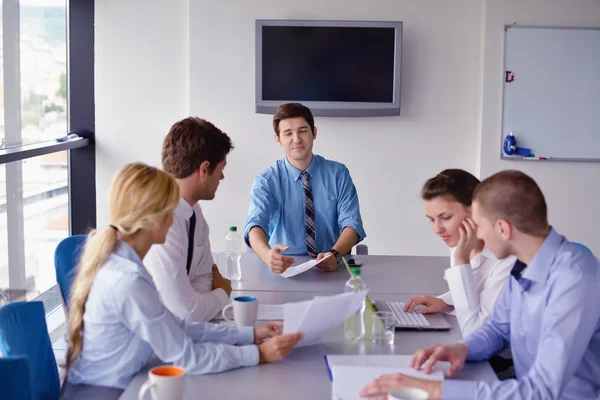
x,y
81,120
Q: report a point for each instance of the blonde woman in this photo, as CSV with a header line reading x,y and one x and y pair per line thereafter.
x,y
116,319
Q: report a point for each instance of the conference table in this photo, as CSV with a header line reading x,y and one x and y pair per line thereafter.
x,y
303,374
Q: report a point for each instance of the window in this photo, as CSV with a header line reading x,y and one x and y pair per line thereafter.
x,y
34,71
33,221
36,175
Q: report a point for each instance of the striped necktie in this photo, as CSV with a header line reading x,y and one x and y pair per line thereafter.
x,y
309,209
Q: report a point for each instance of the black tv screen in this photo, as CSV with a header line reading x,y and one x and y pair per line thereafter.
x,y
328,63
339,68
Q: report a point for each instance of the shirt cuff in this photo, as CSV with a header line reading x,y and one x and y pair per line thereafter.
x,y
458,390
223,298
249,355
447,297
246,335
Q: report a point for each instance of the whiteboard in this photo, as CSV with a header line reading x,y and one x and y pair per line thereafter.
x,y
552,104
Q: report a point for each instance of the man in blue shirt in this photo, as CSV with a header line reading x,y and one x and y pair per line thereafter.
x,y
548,313
302,204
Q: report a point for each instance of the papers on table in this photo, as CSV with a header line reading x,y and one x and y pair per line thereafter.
x,y
351,373
266,312
270,312
298,269
318,317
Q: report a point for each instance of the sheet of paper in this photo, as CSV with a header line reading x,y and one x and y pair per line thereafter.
x,y
266,312
348,381
270,312
379,360
298,269
351,373
293,314
320,316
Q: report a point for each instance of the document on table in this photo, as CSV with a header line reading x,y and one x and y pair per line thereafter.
x,y
316,318
351,373
298,269
266,312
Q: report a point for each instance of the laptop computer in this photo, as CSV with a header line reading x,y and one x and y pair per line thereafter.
x,y
412,320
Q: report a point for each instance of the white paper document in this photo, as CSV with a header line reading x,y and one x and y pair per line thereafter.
x,y
270,312
266,312
298,269
351,373
316,318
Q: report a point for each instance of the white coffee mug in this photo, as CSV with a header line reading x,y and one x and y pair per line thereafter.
x,y
165,383
408,394
245,311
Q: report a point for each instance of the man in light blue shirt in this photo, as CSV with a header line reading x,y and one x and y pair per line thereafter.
x,y
303,204
548,313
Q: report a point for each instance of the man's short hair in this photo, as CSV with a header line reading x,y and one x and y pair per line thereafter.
x,y
513,196
189,143
293,110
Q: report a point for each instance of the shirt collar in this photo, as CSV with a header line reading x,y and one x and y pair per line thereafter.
x,y
185,208
295,172
124,250
539,267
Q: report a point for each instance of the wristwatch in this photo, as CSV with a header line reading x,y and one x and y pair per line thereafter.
x,y
337,255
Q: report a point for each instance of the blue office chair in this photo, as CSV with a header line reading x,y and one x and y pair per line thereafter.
x,y
583,246
66,258
23,332
15,378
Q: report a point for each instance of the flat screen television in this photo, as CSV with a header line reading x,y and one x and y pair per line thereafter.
x,y
336,68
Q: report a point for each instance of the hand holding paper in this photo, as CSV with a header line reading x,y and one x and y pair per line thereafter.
x,y
298,269
318,317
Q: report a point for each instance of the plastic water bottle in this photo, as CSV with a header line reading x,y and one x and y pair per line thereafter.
x,y
233,253
354,328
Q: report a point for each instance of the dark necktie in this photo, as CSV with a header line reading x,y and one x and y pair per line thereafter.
x,y
191,230
517,270
309,209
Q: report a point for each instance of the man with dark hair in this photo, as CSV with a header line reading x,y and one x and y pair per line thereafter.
x,y
548,313
190,285
302,204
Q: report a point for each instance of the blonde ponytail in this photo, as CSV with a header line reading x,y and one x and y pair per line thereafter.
x,y
98,247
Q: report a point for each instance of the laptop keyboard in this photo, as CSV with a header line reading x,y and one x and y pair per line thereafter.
x,y
404,318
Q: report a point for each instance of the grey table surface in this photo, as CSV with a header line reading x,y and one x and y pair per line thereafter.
x,y
383,274
303,374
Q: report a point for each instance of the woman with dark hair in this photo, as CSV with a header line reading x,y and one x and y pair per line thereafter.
x,y
475,277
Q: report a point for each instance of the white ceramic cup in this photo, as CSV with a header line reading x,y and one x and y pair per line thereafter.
x,y
164,383
245,311
408,394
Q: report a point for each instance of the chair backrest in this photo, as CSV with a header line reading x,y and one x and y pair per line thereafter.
x,y
66,258
15,378
23,332
362,249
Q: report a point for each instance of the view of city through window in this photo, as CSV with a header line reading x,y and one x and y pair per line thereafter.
x,y
34,192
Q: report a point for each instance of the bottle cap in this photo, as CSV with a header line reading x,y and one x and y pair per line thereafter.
x,y
355,272
233,228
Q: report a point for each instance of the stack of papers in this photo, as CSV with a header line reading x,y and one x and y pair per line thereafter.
x,y
316,318
351,373
266,312
298,269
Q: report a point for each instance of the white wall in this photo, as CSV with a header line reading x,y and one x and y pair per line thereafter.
x,y
162,60
142,83
389,158
571,189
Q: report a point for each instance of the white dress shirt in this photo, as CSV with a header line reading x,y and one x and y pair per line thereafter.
x,y
190,297
475,287
125,322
